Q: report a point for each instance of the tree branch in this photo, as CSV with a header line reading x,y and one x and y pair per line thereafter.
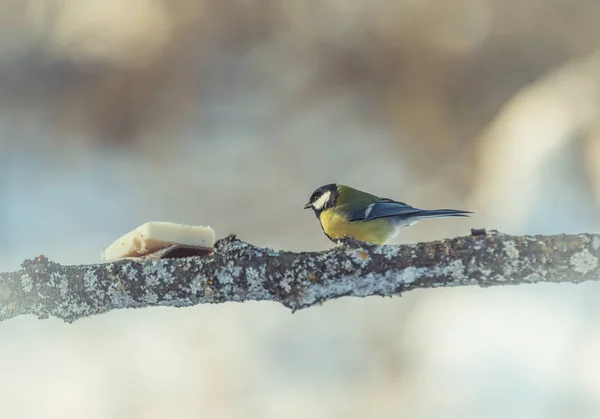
x,y
239,271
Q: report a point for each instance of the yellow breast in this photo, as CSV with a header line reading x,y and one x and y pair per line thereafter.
x,y
336,227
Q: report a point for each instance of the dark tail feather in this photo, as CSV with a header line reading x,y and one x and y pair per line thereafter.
x,y
440,213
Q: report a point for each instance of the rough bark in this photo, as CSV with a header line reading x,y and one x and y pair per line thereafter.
x,y
239,271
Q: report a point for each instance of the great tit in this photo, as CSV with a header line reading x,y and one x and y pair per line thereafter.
x,y
345,211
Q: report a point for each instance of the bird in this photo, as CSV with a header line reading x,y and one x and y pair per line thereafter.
x,y
347,212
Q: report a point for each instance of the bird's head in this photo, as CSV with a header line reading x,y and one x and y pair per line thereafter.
x,y
323,198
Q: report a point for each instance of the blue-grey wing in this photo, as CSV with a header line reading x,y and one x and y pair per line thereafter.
x,y
381,209
385,208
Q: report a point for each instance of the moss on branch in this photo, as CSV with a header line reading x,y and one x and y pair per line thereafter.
x,y
239,272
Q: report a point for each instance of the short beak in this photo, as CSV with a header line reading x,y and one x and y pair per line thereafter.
x,y
307,206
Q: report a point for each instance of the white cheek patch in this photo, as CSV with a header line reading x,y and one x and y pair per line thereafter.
x,y
320,203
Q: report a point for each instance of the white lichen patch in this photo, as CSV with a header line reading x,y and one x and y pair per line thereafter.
x,y
60,282
286,283
386,283
372,283
388,251
120,299
360,257
596,243
91,283
26,283
410,274
152,280
510,249
255,279
196,284
39,309
532,278
476,245
237,293
585,238
252,275
485,272
228,274
583,262
159,271
368,285
129,272
167,277
271,252
347,265
500,278
455,270
90,280
150,297
72,310
235,246
260,252
332,268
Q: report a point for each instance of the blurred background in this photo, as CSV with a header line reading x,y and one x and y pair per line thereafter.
x,y
230,114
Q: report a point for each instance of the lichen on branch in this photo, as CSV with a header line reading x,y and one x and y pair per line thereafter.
x,y
238,271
